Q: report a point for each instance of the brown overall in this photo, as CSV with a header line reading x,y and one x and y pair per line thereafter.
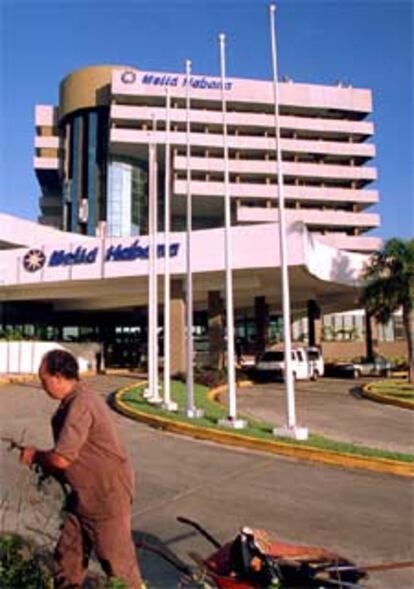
x,y
101,481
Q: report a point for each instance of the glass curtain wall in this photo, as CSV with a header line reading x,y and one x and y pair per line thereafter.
x,y
127,198
84,170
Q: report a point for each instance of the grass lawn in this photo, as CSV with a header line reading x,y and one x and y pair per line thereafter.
x,y
256,429
398,389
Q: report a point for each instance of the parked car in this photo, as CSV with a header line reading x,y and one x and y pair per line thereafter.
x,y
271,365
361,366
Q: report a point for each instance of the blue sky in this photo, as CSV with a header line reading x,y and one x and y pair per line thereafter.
x,y
367,43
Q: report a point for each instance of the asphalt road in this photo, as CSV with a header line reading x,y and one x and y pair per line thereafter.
x,y
366,516
334,407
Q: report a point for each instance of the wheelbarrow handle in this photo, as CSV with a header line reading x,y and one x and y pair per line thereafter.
x,y
200,529
13,445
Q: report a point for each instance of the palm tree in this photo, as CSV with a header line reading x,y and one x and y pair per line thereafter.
x,y
390,286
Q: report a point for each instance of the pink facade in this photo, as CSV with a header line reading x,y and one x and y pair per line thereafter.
x,y
325,145
326,141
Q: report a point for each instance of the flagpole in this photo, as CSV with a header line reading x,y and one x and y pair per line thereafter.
x,y
290,429
155,395
231,420
191,410
167,403
149,391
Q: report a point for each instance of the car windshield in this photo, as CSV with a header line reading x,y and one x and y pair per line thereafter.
x,y
313,354
272,357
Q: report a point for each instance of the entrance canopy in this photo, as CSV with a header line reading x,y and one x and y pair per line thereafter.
x,y
75,272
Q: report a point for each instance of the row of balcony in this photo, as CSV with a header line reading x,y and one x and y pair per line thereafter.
x,y
259,168
311,217
246,144
244,121
313,194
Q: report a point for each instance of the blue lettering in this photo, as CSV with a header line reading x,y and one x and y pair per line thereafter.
x,y
136,252
91,256
110,254
56,258
143,253
79,256
174,247
68,259
196,82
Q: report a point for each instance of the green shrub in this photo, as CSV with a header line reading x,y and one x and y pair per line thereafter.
x,y
20,566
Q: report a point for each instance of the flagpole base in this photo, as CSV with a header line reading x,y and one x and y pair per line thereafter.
x,y
147,393
194,413
154,400
295,433
233,423
169,406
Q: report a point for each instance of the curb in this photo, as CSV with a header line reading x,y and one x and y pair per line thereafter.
x,y
385,399
17,379
381,465
22,378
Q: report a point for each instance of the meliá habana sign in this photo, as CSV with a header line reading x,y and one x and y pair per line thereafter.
x,y
35,259
173,80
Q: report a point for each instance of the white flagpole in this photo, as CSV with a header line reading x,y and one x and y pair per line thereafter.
x,y
291,429
191,410
231,420
155,395
149,391
167,403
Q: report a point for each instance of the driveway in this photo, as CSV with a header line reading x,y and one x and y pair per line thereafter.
x,y
335,408
366,516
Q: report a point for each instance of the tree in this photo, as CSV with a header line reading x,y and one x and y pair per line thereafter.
x,y
390,286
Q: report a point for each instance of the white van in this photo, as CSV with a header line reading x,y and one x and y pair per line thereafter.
x,y
316,363
271,363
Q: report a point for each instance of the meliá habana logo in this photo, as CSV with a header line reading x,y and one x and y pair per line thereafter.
x,y
35,259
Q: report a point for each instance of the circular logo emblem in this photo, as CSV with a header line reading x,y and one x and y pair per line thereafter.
x,y
34,260
128,77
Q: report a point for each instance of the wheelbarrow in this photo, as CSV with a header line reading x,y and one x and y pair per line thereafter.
x,y
254,559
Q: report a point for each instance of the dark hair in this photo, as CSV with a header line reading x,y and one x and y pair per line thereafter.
x,y
61,362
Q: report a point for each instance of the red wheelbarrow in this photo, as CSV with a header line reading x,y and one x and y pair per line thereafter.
x,y
256,560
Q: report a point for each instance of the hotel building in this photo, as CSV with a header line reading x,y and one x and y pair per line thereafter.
x,y
92,154
93,167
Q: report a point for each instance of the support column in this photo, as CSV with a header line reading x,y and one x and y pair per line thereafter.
x,y
177,314
314,328
261,314
216,329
